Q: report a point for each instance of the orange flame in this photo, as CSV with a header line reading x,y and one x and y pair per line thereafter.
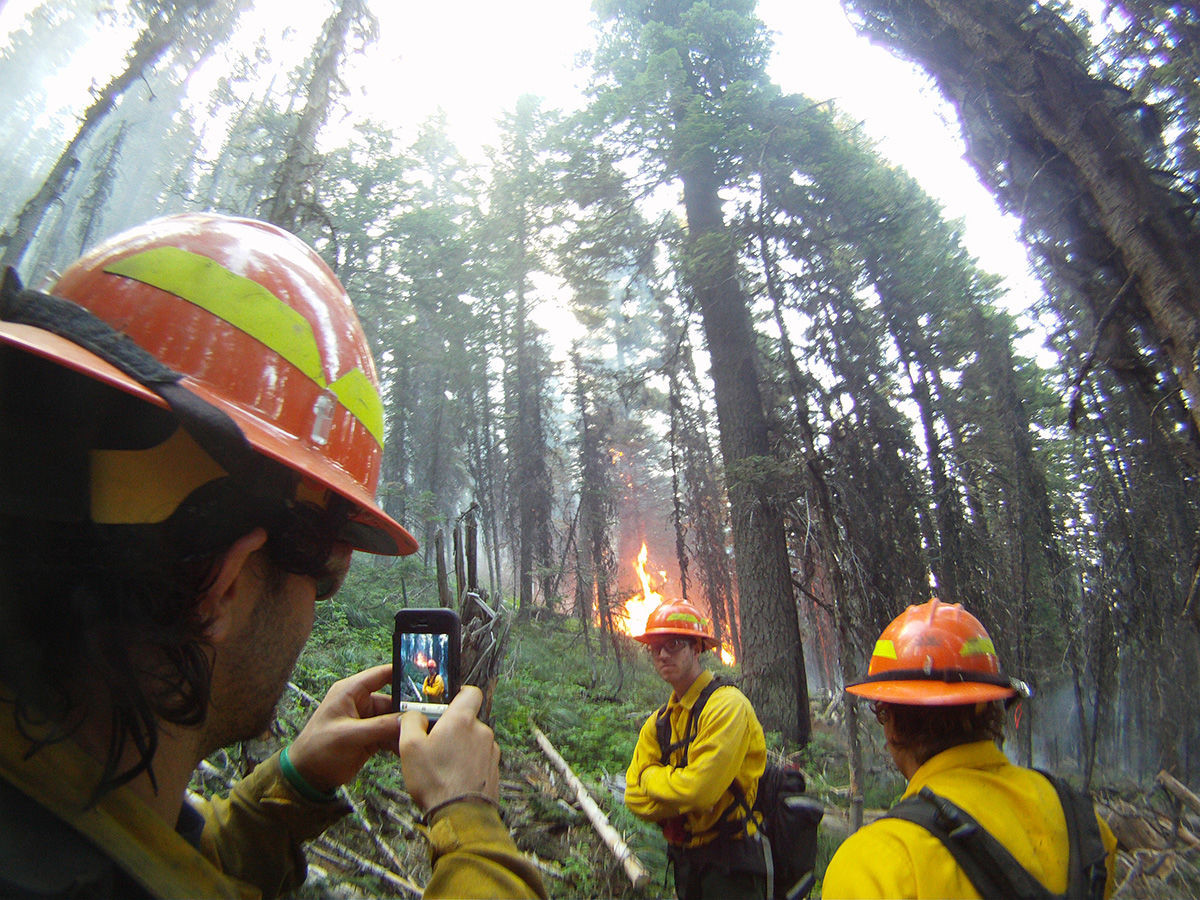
x,y
421,660
639,606
632,619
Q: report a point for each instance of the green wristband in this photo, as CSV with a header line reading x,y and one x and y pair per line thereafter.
x,y
296,780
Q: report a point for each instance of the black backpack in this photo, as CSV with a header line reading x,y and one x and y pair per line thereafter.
x,y
989,865
789,817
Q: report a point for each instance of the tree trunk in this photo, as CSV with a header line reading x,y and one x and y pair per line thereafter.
x,y
445,597
773,653
471,549
151,44
1032,111
947,556
292,204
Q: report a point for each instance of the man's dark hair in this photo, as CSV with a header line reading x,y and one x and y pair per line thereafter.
x,y
110,612
101,610
929,730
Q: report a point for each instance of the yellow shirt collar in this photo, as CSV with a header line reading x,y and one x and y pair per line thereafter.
x,y
975,755
61,777
688,700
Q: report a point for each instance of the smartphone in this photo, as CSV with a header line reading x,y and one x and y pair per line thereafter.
x,y
425,648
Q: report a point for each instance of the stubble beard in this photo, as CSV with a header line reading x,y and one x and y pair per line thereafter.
x,y
259,665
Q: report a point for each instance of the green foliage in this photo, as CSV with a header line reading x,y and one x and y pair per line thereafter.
x,y
706,259
765,476
884,790
574,704
827,845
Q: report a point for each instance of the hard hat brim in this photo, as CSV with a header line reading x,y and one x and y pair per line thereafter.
x,y
372,530
930,693
707,643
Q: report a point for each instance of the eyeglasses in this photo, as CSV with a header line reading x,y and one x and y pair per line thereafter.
x,y
671,645
881,710
305,541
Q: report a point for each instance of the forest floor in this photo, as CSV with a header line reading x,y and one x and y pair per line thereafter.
x,y
591,709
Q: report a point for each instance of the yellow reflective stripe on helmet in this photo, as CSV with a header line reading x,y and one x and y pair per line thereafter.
x,y
357,394
243,303
977,646
883,648
248,306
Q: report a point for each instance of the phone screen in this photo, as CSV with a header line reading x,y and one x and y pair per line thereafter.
x,y
425,660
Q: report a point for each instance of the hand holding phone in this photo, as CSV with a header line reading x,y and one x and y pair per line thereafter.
x,y
425,650
348,728
457,758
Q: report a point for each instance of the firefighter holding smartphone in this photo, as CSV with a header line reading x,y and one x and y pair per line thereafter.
x,y
190,440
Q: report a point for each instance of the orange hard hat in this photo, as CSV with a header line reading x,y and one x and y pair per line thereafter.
x,y
935,654
678,617
242,331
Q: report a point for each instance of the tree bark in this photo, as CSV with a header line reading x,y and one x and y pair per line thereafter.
x,y
773,653
291,205
1017,73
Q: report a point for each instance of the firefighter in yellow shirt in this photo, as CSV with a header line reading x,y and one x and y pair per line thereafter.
x,y
699,791
190,443
433,687
936,688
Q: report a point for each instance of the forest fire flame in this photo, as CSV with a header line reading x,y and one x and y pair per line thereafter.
x,y
421,660
639,606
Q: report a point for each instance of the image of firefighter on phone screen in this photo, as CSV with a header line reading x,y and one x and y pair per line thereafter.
x,y
424,657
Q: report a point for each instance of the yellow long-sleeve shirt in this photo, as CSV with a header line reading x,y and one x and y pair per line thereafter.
x,y
249,847
729,743
893,858
434,688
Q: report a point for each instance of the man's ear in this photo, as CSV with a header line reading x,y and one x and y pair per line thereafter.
x,y
219,604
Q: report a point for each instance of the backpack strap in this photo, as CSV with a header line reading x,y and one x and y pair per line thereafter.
x,y
667,747
986,862
662,725
1087,872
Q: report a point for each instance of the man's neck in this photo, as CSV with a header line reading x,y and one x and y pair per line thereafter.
x,y
684,683
174,762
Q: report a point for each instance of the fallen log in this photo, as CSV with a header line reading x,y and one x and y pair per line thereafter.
x,y
371,831
553,870
611,837
1179,790
1132,828
405,823
339,854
